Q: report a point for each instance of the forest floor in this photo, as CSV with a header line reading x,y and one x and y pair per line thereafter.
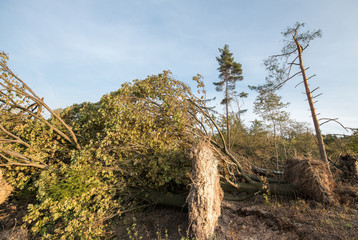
x,y
255,218
251,219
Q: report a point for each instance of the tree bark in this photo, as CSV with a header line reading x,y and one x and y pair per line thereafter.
x,y
227,111
322,149
275,144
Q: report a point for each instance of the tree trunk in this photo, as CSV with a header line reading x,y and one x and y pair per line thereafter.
x,y
275,144
312,108
227,112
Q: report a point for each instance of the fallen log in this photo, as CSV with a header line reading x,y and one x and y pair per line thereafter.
x,y
179,200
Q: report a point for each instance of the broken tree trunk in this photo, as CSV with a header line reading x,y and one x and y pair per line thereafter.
x,y
205,197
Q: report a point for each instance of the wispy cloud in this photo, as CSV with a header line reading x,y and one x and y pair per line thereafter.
x,y
73,51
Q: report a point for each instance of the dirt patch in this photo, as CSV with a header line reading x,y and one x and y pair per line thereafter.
x,y
11,221
251,222
250,219
312,178
295,219
17,233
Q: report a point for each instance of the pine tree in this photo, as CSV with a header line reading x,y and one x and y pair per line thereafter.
x,y
269,106
281,69
230,73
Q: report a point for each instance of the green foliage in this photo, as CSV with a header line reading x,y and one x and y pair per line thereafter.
x,y
85,120
35,145
283,67
269,106
341,145
27,139
256,142
146,131
136,137
74,200
353,142
230,73
21,178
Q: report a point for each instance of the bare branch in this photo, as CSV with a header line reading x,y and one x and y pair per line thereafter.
x,y
314,89
290,66
317,95
26,159
283,55
282,83
327,120
224,148
298,84
18,140
39,101
314,75
28,164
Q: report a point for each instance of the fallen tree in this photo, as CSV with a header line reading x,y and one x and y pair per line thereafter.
x,y
134,144
22,111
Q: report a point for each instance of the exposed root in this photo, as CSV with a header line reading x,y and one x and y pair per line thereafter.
x,y
312,178
5,189
205,197
348,165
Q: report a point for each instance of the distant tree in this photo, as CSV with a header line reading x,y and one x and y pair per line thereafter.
x,y
240,104
281,69
230,73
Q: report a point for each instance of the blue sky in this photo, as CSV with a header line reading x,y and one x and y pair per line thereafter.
x,y
71,51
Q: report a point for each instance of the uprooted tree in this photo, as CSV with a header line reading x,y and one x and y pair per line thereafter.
x,y
95,161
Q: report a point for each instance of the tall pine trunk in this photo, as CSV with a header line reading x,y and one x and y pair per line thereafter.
x,y
322,149
227,111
